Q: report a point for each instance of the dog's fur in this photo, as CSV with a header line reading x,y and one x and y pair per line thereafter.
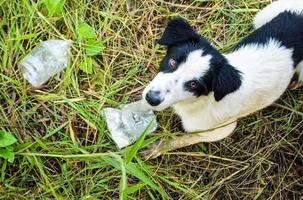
x,y
208,89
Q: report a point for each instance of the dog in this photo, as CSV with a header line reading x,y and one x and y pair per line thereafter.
x,y
209,90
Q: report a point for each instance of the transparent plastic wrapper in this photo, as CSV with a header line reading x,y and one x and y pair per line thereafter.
x,y
47,59
128,123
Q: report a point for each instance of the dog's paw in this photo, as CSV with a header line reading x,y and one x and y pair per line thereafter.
x,y
152,151
295,85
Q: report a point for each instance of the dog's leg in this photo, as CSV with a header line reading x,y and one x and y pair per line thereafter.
x,y
297,82
158,148
300,74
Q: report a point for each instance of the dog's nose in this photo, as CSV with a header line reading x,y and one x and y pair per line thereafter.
x,y
153,97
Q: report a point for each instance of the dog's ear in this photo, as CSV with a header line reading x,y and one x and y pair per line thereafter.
x,y
226,80
177,30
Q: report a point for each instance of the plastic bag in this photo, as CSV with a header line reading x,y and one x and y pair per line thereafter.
x,y
47,59
128,123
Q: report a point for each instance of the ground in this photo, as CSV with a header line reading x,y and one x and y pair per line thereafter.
x,y
63,149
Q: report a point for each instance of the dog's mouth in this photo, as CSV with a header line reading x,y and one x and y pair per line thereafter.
x,y
155,107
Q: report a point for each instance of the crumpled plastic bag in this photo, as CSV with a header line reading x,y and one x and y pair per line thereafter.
x,y
128,123
47,59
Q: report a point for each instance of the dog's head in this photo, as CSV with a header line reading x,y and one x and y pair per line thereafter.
x,y
191,68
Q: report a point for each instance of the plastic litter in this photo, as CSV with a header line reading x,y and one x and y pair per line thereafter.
x,y
128,123
47,59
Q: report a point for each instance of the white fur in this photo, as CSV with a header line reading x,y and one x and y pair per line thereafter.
x,y
264,81
275,8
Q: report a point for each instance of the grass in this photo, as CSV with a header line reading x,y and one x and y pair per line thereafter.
x,y
64,150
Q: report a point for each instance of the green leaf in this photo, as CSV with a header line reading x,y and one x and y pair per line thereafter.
x,y
123,181
113,162
134,188
6,139
94,47
87,65
134,149
86,31
118,163
54,7
7,154
134,170
3,168
203,147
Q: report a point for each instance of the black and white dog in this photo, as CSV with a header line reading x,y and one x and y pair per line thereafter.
x,y
208,89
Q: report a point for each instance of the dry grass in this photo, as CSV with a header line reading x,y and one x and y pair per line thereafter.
x,y
64,150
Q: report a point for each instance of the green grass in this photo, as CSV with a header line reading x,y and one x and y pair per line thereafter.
x,y
64,150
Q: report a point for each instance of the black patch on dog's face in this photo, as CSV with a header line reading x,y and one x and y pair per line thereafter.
x,y
181,39
202,87
221,79
226,79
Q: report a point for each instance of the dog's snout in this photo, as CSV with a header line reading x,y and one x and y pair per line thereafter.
x,y
153,98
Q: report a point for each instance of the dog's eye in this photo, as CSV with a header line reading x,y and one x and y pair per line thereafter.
x,y
193,85
172,63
